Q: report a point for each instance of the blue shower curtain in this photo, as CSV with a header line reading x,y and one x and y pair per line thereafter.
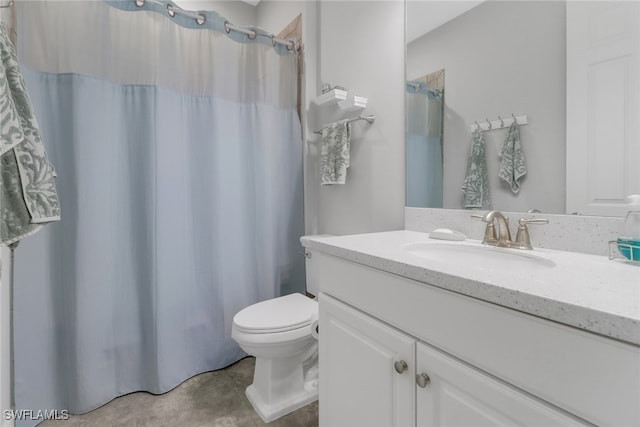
x,y
182,193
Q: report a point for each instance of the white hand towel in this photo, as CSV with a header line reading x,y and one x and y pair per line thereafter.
x,y
513,166
334,152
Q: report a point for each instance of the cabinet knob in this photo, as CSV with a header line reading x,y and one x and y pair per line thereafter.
x,y
422,380
401,366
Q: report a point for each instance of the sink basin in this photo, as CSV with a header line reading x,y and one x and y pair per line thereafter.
x,y
480,255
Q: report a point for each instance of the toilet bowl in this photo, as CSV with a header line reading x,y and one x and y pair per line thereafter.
x,y
278,332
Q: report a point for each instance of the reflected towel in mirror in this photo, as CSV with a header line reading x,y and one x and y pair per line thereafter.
x,y
476,184
513,166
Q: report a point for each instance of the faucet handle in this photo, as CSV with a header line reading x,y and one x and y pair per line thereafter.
x,y
490,235
524,221
523,240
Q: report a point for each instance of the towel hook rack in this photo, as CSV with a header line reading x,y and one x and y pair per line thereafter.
x,y
499,123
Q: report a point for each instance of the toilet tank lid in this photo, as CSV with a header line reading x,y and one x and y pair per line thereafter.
x,y
277,315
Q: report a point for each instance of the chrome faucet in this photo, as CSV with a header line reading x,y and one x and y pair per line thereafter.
x,y
502,237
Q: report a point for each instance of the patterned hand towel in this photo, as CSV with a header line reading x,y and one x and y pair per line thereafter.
x,y
334,152
513,166
28,195
476,185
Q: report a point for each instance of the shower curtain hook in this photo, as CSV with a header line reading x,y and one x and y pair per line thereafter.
x,y
501,122
488,122
477,124
514,118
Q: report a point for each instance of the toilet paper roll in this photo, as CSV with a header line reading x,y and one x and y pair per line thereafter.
x,y
314,326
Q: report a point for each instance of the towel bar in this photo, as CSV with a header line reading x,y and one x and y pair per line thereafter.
x,y
369,119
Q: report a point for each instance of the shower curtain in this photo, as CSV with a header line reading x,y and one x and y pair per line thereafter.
x,y
178,153
424,146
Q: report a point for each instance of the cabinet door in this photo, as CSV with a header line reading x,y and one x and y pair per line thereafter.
x,y
460,395
359,384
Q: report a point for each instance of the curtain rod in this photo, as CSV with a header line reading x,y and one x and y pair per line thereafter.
x,y
173,9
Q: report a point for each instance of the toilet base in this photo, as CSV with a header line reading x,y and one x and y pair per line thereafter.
x,y
272,411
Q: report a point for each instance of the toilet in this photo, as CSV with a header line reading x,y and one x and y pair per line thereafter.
x,y
280,334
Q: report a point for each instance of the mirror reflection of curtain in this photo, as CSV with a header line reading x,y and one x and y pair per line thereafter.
x,y
424,145
179,160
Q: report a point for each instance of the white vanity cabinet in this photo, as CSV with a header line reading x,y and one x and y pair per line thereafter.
x,y
357,356
379,376
486,364
451,393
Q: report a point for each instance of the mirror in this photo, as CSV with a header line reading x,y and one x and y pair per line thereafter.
x,y
501,58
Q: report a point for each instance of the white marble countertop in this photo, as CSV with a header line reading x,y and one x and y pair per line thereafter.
x,y
585,291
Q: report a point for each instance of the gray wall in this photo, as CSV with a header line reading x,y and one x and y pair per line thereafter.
x,y
502,57
361,47
358,45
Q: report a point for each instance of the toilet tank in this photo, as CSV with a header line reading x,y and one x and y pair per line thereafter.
x,y
312,276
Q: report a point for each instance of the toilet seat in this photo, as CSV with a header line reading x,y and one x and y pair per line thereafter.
x,y
282,314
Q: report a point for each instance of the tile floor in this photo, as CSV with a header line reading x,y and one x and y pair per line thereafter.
x,y
212,399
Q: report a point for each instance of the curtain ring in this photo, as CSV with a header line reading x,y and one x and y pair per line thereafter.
x,y
501,122
273,40
226,27
291,45
170,11
201,19
488,122
252,35
139,3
